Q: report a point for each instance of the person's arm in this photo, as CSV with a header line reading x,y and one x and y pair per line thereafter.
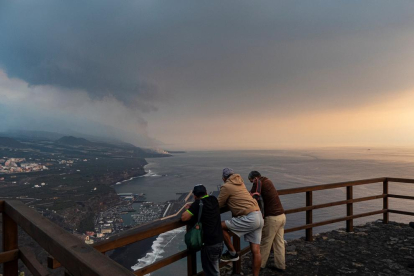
x,y
223,196
190,212
186,215
253,189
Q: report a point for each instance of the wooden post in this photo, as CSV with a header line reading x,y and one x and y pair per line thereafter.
x,y
237,264
191,261
309,220
9,243
349,209
385,217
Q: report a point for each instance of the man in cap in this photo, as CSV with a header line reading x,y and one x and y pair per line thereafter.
x,y
212,232
247,219
274,221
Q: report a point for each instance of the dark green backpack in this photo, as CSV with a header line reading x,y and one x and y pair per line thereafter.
x,y
194,237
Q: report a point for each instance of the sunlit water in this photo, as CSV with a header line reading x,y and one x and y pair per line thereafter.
x,y
287,169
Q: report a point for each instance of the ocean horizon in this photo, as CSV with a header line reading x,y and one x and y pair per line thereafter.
x,y
287,169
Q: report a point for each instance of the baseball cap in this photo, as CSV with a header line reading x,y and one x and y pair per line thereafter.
x,y
199,189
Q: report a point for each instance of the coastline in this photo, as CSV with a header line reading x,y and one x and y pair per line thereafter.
x,y
128,175
128,256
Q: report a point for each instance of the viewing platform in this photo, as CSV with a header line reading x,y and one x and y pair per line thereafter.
x,y
380,248
371,249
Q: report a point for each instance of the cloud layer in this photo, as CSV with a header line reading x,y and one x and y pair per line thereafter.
x,y
183,65
47,108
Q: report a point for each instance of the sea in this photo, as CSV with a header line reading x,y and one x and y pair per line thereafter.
x,y
287,169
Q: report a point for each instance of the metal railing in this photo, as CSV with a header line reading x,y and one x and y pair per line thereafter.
x,y
81,259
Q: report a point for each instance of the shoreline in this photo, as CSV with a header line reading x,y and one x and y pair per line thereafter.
x,y
131,176
128,256
128,175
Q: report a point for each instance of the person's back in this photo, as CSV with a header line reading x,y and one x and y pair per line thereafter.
x,y
272,204
234,194
210,219
211,226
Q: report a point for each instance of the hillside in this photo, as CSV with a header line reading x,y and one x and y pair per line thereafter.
x,y
74,141
11,143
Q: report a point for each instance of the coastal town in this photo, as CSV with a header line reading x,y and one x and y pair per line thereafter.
x,y
106,223
148,211
20,165
136,209
70,180
13,166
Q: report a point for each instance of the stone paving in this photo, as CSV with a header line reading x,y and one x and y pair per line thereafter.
x,y
372,249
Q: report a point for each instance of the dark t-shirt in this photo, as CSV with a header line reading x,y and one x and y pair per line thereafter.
x,y
210,219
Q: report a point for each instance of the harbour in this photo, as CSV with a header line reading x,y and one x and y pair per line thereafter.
x,y
134,211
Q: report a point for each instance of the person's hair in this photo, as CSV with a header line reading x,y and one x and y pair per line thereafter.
x,y
254,174
200,194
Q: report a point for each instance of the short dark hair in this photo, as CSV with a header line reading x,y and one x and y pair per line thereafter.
x,y
254,174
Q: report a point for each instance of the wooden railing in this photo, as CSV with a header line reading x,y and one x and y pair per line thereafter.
x,y
81,259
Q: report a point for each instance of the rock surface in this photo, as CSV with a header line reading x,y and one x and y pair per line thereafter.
x,y
372,249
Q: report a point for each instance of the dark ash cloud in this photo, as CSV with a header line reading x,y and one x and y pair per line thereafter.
x,y
112,48
198,60
92,46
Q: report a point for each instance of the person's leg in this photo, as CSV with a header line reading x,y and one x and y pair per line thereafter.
x,y
257,259
279,242
210,258
227,237
217,256
204,260
268,235
254,238
230,255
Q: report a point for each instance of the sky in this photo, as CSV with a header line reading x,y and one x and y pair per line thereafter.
x,y
211,75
